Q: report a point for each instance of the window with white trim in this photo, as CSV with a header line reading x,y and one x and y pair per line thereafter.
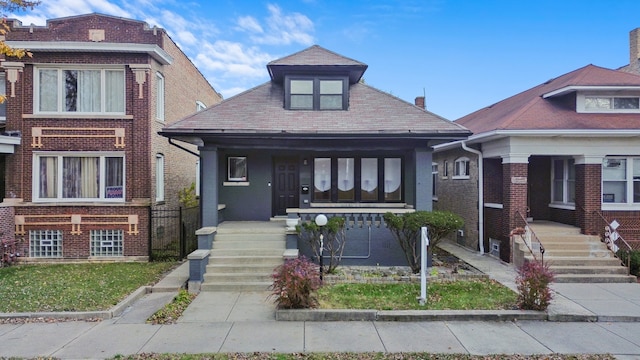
x,y
563,185
621,180
197,186
461,168
445,169
159,177
315,93
45,243
78,177
200,106
159,97
107,243
79,90
434,178
349,179
237,168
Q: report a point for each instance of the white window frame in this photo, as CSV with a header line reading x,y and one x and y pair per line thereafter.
x,y
582,98
160,165
160,87
565,181
61,89
231,178
200,106
197,187
628,180
102,192
461,168
3,91
434,177
445,169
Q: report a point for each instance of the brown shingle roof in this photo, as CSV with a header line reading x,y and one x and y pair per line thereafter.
x,y
530,111
260,110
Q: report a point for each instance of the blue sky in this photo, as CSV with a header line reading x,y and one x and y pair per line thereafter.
x,y
463,55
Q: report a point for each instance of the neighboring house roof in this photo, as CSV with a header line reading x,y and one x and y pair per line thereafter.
x,y
261,110
552,105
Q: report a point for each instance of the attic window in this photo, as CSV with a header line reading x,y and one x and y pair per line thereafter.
x,y
316,93
611,104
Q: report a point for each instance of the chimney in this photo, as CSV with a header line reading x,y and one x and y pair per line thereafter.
x,y
634,45
420,101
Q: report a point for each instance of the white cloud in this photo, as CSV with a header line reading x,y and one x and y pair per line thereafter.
x,y
233,59
249,24
285,29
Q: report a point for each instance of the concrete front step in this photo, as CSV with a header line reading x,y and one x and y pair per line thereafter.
x,y
583,278
242,268
587,245
250,244
250,227
579,253
250,237
249,259
237,277
235,287
581,261
547,227
580,239
247,252
586,270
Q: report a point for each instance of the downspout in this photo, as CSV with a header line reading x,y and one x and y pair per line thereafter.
x,y
480,194
183,148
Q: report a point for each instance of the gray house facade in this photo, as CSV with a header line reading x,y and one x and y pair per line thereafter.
x,y
317,139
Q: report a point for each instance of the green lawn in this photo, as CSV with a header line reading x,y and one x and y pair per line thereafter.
x,y
480,294
74,287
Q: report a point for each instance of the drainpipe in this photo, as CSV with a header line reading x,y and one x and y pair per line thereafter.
x,y
480,195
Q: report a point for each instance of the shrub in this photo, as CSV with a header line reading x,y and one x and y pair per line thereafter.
x,y
406,229
170,313
533,286
634,261
295,283
187,196
334,240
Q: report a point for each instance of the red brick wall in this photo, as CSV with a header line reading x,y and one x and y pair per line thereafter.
x,y
515,200
588,197
539,181
7,225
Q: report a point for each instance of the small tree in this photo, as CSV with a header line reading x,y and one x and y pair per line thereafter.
x,y
187,196
533,286
335,239
406,229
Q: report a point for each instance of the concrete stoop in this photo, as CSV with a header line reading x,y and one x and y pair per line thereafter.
x,y
574,257
244,255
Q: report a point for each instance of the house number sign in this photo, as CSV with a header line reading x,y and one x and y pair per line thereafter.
x,y
518,179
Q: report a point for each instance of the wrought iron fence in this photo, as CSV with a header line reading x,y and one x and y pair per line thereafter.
x,y
173,233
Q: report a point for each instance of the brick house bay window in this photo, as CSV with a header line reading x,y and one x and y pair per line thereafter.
x,y
621,180
357,180
78,178
86,91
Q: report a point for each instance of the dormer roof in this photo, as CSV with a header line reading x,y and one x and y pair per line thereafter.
x,y
316,60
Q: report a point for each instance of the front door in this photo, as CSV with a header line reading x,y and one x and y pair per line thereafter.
x,y
285,187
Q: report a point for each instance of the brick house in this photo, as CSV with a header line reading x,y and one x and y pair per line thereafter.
x,y
565,151
317,140
86,109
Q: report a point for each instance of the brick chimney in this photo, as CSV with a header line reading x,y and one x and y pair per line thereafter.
x,y
634,45
420,101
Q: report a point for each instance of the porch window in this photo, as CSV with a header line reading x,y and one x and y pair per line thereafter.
x,y
78,177
621,180
237,168
564,181
315,93
358,179
461,168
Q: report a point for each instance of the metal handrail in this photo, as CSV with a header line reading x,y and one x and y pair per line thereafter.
x,y
527,235
610,242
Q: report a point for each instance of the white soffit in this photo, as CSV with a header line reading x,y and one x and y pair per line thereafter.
x,y
77,46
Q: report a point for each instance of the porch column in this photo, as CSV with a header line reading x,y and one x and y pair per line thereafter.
x,y
209,186
424,180
588,192
514,190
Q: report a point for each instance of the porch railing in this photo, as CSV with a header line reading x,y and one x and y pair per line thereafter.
x,y
528,236
610,235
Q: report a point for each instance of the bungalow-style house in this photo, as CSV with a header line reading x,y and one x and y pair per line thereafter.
x,y
317,139
559,161
81,160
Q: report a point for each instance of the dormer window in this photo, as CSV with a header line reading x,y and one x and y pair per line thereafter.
x,y
608,104
316,93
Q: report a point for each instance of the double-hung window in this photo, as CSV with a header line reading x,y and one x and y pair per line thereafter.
x,y
316,93
621,180
564,181
348,179
80,90
78,177
461,168
3,90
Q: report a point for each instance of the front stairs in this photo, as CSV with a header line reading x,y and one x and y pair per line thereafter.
x,y
244,255
574,257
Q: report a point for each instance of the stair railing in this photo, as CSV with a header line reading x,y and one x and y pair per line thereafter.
x,y
610,235
528,236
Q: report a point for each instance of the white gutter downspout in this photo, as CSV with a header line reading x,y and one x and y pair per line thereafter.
x,y
480,195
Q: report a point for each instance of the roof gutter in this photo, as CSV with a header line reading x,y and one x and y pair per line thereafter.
x,y
183,148
464,146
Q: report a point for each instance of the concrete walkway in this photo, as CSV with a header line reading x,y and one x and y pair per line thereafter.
x,y
588,318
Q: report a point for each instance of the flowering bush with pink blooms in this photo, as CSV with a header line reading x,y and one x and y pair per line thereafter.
x,y
295,283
